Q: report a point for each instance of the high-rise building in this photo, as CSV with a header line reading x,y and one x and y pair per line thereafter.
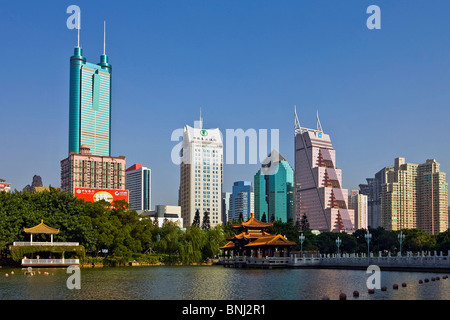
x,y
85,170
415,196
201,174
226,206
90,172
432,198
358,202
373,191
242,200
274,190
399,197
138,183
318,183
90,104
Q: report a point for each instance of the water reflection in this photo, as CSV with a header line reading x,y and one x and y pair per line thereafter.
x,y
217,283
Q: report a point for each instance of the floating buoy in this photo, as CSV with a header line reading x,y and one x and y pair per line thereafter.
x,y
325,298
383,288
433,278
426,280
395,286
355,293
420,281
12,272
342,296
403,284
437,278
371,291
6,275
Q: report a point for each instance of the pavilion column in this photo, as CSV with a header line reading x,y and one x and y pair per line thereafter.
x,y
31,238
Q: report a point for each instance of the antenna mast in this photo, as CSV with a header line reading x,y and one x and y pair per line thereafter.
x,y
78,29
104,38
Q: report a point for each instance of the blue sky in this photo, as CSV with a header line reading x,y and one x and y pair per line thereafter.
x,y
381,94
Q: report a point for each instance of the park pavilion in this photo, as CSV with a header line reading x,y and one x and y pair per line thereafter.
x,y
252,240
42,253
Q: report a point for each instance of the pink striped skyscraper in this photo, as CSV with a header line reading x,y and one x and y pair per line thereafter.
x,y
318,183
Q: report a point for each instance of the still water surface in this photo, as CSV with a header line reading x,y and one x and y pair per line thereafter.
x,y
216,283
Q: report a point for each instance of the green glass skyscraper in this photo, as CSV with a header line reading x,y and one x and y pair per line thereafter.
x,y
90,104
274,191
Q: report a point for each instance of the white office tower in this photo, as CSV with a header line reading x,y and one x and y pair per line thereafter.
x,y
201,174
138,183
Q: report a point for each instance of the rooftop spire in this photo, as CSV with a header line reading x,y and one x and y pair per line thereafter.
x,y
297,127
78,29
319,126
104,38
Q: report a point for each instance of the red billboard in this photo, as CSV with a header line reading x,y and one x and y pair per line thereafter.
x,y
94,195
2,186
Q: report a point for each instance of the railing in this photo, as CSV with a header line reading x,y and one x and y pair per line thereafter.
x,y
26,262
421,260
45,243
255,261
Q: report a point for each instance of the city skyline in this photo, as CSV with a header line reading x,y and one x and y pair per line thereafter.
x,y
380,85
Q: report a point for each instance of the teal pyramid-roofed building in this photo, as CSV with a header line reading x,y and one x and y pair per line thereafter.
x,y
274,190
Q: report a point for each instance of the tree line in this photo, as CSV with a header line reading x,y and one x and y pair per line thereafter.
x,y
121,235
112,233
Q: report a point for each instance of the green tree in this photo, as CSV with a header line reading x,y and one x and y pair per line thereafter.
x,y
206,225
304,224
418,240
264,217
196,222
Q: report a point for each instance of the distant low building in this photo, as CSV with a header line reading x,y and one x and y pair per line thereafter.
x,y
164,213
5,186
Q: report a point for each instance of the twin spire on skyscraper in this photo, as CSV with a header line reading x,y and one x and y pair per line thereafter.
x,y
104,34
298,128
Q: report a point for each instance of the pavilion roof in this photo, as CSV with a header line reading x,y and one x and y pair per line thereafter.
x,y
253,223
271,240
41,228
249,235
229,245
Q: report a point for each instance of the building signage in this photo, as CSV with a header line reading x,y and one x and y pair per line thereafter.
x,y
2,186
94,195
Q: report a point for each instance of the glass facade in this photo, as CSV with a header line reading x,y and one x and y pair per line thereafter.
x,y
90,105
274,193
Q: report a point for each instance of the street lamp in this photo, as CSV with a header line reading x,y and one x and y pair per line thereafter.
x,y
338,243
368,237
301,238
401,237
